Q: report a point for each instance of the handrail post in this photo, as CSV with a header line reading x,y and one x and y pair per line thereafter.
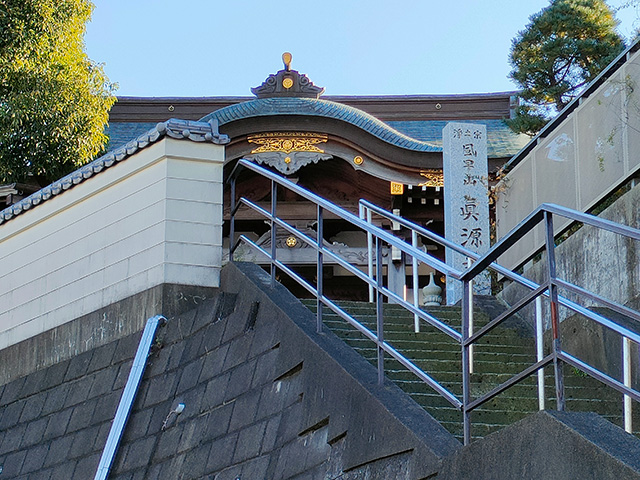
x,y
232,220
540,351
274,201
467,288
471,319
319,272
370,255
416,288
379,311
626,374
553,298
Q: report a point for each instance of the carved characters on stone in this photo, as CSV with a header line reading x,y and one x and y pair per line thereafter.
x,y
466,199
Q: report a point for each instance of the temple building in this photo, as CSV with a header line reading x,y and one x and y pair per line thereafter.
x,y
385,149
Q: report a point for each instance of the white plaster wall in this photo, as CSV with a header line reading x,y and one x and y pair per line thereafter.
x,y
154,218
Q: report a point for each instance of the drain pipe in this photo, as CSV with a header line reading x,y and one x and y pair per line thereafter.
x,y
128,396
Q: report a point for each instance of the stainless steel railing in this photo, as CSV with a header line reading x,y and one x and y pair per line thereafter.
x,y
128,397
466,338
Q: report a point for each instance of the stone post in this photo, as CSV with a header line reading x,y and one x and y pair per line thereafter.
x,y
466,200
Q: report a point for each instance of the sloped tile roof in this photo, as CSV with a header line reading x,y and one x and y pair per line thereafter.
x,y
174,128
501,141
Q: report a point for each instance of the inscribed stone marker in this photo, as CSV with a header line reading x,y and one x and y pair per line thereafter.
x,y
466,200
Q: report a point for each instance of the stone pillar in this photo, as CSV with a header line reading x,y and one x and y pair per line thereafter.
x,y
466,199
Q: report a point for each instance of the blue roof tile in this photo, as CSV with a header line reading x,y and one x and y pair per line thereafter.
x,y
321,108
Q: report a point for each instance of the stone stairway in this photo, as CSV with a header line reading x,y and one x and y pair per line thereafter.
x,y
497,357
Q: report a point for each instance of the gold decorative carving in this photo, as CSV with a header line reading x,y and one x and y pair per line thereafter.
x,y
287,142
287,82
286,59
397,188
435,178
358,160
291,241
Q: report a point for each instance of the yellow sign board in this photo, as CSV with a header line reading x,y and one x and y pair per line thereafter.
x,y
397,188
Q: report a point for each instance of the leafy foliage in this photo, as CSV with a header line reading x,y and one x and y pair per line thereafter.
x,y
564,47
54,101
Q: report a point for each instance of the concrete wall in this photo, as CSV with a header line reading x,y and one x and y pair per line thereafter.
x,y
266,397
578,163
604,263
154,218
549,445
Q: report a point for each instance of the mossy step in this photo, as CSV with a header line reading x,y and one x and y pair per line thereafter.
x,y
357,308
528,387
407,324
478,430
429,332
405,316
484,352
449,362
430,335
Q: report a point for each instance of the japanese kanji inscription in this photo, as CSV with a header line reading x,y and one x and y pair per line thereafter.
x,y
466,202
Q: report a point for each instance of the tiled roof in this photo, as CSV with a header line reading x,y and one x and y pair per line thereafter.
x,y
121,133
179,129
501,141
320,108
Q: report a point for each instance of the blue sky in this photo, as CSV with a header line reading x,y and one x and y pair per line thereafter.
x,y
350,47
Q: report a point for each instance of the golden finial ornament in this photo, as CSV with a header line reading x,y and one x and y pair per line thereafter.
x,y
286,58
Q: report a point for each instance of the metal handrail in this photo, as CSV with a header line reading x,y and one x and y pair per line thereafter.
x,y
488,261
128,396
466,338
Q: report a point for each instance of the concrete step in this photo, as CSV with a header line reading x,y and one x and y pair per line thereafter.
x,y
427,333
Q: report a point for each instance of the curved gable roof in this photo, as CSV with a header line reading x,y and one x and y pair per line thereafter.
x,y
297,106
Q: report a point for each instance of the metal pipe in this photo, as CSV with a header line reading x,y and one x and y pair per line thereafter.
x,y
365,214
320,270
470,300
600,376
626,375
416,288
274,201
232,222
553,297
523,302
370,255
510,383
466,372
379,312
128,396
540,351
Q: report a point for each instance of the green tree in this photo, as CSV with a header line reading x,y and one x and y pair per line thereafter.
x,y
54,101
563,48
